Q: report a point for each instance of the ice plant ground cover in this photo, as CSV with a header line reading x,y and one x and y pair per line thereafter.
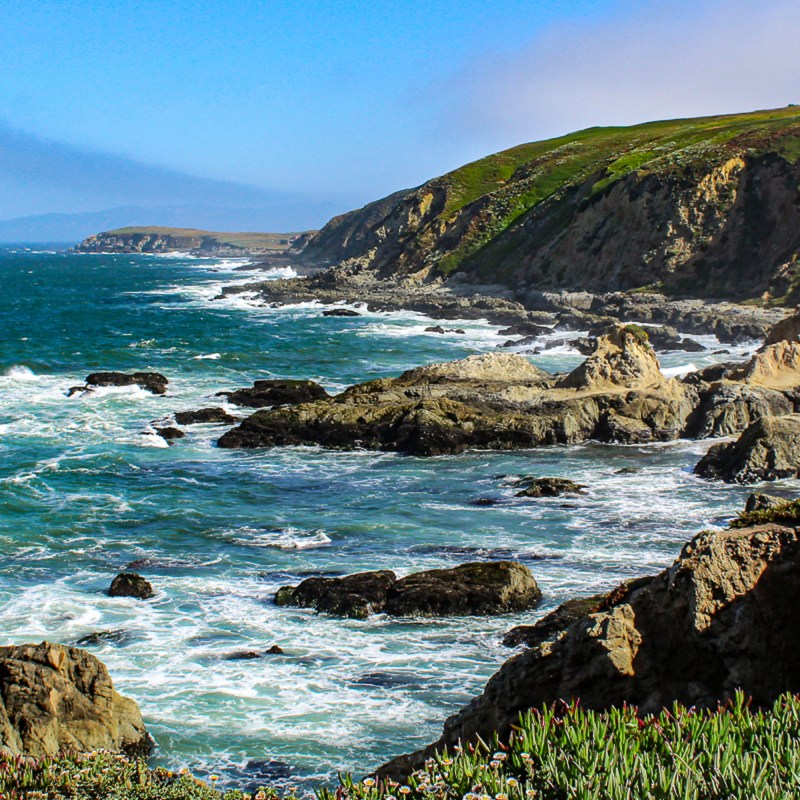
x,y
554,754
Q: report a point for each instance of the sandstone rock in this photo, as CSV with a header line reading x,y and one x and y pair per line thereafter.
x,y
55,698
787,330
153,382
548,487
204,415
276,393
494,587
775,365
767,450
129,584
721,618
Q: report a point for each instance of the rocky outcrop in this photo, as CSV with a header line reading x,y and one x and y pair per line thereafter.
x,y
786,330
204,416
129,584
153,382
495,587
721,618
169,433
547,487
276,393
768,450
494,401
55,698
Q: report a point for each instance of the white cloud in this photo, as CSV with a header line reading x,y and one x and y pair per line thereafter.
x,y
672,60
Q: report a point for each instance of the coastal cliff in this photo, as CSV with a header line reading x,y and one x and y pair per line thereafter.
x,y
197,242
704,207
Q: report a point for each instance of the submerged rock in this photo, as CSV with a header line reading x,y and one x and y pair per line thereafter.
x,y
470,589
722,618
548,487
768,450
276,393
153,382
204,415
55,698
340,312
169,433
129,584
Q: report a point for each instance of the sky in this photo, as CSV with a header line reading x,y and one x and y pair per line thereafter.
x,y
304,108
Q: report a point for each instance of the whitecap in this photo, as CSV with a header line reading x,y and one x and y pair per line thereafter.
x,y
283,538
207,356
679,371
19,372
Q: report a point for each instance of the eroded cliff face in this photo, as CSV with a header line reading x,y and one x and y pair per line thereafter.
x,y
720,619
138,243
708,217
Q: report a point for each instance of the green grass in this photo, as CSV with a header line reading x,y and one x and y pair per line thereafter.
x,y
729,753
787,513
512,183
245,240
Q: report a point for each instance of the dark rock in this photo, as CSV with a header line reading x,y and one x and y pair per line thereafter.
x,y
120,637
548,487
486,501
494,587
767,450
129,584
276,393
275,650
340,312
355,596
204,415
440,329
526,329
170,433
242,655
55,698
153,382
628,471
386,680
712,373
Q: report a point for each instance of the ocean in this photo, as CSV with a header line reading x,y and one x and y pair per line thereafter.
x,y
88,490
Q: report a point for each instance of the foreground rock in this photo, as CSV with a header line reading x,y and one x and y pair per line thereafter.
x,y
55,698
493,401
276,393
129,584
768,450
721,618
497,587
153,382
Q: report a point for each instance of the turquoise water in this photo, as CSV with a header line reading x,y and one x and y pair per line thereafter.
x,y
87,490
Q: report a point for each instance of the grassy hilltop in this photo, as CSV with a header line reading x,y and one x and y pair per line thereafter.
x,y
690,204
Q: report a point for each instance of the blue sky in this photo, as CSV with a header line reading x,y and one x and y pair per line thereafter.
x,y
244,103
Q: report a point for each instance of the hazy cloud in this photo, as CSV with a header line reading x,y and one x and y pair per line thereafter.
x,y
675,59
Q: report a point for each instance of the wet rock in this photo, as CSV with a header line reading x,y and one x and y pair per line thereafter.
x,y
276,393
470,589
386,680
153,382
55,698
242,655
204,415
767,450
440,329
356,596
486,501
129,584
526,329
99,638
340,312
494,587
170,433
721,619
275,650
548,487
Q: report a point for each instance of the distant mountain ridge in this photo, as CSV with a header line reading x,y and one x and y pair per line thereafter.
x,y
705,207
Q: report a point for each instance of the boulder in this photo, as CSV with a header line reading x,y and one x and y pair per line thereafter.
x,y
767,450
170,433
494,587
129,584
276,393
759,501
55,698
548,487
153,382
356,596
786,330
204,415
340,312
722,618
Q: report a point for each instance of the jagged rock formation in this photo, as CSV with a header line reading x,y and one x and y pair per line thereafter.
x,y
706,207
495,587
494,401
768,450
130,584
204,416
275,392
153,382
55,698
721,618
